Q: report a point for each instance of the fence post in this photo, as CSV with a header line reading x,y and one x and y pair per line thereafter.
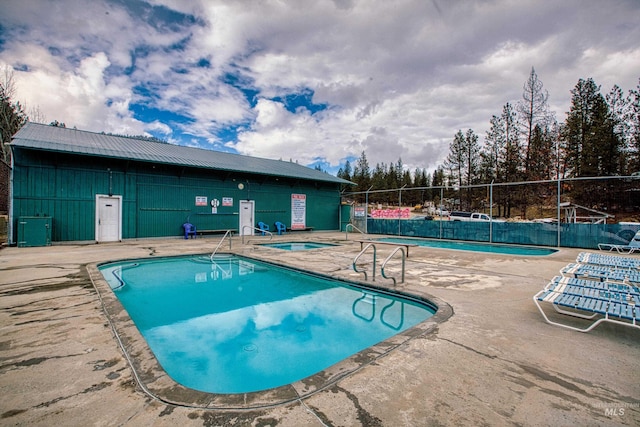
x,y
366,211
491,212
400,207
558,225
440,216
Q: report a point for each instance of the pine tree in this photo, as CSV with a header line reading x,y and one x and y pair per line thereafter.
x,y
345,173
362,174
378,181
513,161
578,127
492,153
619,109
456,160
533,110
633,119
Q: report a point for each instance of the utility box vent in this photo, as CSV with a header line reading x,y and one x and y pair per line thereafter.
x,y
34,231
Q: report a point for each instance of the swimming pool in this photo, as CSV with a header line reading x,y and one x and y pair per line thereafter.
x,y
298,246
238,325
473,246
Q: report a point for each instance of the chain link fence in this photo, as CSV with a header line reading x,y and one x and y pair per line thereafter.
x,y
576,212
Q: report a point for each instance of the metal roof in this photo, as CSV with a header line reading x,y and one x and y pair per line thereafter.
x,y
64,140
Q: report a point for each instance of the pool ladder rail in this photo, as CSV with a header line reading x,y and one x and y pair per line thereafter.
x,y
353,227
384,263
228,233
263,232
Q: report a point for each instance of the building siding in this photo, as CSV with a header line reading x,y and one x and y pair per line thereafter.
x,y
157,198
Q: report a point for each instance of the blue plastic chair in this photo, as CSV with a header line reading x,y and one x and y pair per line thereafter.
x,y
263,227
189,229
281,228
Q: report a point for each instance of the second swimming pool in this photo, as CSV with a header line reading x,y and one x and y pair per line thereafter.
x,y
297,246
473,246
238,325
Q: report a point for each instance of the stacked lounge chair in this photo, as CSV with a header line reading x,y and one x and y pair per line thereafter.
x,y
602,273
598,287
608,260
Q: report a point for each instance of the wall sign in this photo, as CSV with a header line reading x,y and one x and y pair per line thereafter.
x,y
201,200
227,201
298,211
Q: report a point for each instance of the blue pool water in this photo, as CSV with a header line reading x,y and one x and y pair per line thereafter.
x,y
298,246
474,247
239,325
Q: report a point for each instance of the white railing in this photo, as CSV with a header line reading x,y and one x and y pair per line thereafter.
x,y
384,264
355,260
346,230
228,233
251,227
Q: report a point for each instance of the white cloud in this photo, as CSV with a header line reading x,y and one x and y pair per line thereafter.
x,y
399,78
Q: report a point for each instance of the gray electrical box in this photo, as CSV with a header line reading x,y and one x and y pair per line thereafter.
x,y
34,231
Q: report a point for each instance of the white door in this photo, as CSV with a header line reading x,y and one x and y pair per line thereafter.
x,y
246,217
108,218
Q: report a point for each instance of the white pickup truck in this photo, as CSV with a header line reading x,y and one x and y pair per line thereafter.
x,y
469,216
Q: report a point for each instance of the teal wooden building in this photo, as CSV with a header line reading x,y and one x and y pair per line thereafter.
x,y
88,186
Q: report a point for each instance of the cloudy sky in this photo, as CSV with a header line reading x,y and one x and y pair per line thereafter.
x,y
314,81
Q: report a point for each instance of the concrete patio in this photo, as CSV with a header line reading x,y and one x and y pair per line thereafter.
x,y
491,360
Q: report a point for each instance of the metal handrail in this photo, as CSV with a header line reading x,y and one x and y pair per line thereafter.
x,y
346,230
384,264
228,232
258,229
355,267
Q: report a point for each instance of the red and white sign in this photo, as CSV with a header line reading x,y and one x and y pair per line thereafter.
x,y
298,211
391,213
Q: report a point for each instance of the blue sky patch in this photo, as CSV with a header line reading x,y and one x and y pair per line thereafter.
x,y
303,99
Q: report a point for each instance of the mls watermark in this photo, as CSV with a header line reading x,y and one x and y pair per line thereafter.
x,y
617,409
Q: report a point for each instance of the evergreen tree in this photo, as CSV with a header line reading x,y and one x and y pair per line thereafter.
x,y
501,158
542,165
391,179
578,127
513,161
378,181
472,152
456,160
345,173
492,153
438,181
362,175
604,151
533,110
400,173
633,119
619,109
438,177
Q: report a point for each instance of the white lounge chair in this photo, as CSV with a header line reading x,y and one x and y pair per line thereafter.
x,y
601,273
615,304
631,247
616,261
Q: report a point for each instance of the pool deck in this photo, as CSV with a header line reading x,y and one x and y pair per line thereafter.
x,y
492,360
